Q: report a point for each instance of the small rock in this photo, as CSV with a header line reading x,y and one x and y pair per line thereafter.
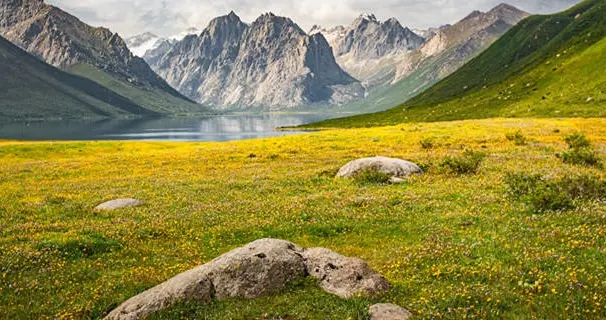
x,y
397,168
589,100
343,276
395,180
386,311
119,204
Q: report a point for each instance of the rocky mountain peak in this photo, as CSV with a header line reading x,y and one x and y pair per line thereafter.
x,y
393,22
508,13
226,22
269,64
367,17
270,26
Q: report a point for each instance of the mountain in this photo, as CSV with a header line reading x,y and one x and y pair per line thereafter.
x,y
449,48
65,42
38,90
270,64
369,49
546,66
140,44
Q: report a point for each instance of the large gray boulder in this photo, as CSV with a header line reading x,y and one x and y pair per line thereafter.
x,y
262,267
343,276
118,204
387,311
397,168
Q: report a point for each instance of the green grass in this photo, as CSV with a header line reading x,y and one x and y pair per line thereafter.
x,y
156,100
546,66
453,246
36,90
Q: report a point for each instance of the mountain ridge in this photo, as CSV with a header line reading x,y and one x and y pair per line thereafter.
x,y
545,66
270,63
66,42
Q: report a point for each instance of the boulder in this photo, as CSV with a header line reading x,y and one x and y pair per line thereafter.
x,y
343,276
397,168
262,267
386,311
119,204
193,285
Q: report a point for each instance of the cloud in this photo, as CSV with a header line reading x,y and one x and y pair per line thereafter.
x,y
166,17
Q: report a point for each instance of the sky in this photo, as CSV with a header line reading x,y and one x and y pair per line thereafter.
x,y
168,17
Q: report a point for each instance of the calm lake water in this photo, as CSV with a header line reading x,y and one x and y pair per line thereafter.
x,y
212,128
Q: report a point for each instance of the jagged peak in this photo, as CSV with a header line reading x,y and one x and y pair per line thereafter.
x,y
474,14
368,17
504,6
507,9
271,18
230,17
316,29
392,20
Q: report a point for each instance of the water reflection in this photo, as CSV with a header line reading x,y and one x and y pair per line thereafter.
x,y
215,128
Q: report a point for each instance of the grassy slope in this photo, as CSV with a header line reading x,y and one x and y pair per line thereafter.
x,y
33,89
545,66
157,100
453,246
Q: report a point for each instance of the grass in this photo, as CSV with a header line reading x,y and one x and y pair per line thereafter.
x,y
548,65
156,100
453,246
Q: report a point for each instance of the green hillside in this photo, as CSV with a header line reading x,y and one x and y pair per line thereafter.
x,y
160,100
34,89
546,66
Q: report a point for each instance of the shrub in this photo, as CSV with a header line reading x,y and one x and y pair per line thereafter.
x,y
546,195
577,140
580,151
427,144
520,184
468,163
518,138
372,177
582,157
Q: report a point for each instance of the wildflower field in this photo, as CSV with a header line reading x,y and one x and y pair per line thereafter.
x,y
516,232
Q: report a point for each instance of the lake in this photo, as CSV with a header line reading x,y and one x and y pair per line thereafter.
x,y
208,128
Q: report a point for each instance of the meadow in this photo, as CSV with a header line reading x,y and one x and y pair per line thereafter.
x,y
454,244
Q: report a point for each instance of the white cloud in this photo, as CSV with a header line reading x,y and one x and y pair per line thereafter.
x,y
165,17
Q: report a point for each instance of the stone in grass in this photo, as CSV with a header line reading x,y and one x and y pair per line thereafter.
x,y
343,276
260,268
398,169
118,204
386,311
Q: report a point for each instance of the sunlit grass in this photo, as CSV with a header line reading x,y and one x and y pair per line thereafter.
x,y
454,246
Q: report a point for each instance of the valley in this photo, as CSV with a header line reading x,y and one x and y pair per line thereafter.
x,y
267,168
